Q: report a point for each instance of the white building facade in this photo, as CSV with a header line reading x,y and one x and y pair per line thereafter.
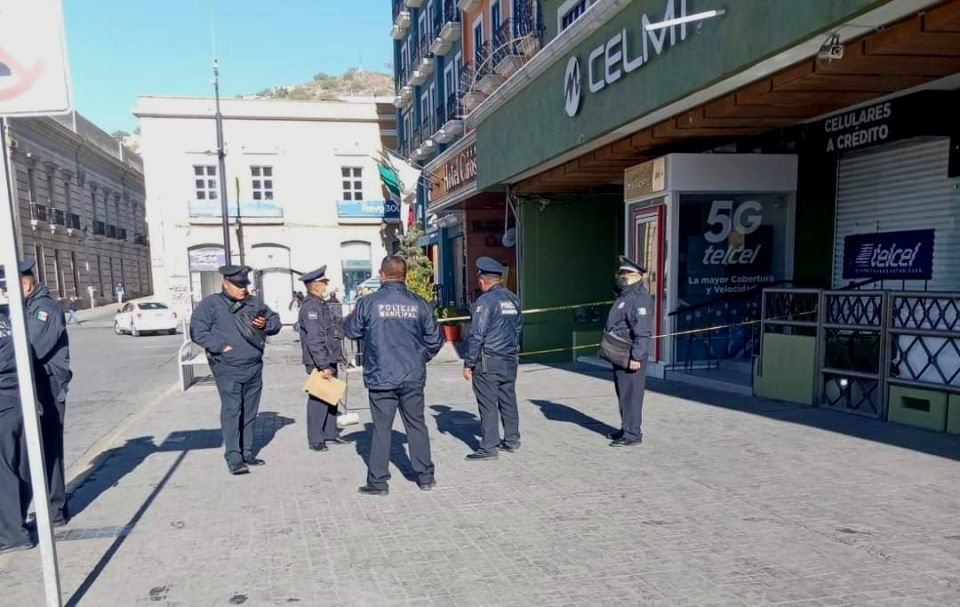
x,y
302,176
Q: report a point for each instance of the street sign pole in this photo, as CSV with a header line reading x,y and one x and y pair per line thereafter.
x,y
221,166
31,421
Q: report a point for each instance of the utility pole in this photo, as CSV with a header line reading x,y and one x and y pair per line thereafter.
x,y
221,168
239,224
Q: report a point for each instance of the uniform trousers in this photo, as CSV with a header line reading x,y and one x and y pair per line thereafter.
x,y
383,407
630,387
321,419
240,390
14,486
495,386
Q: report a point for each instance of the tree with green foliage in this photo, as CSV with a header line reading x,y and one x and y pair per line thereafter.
x,y
419,266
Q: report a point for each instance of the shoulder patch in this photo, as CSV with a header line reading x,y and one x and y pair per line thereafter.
x,y
42,316
622,303
313,316
642,311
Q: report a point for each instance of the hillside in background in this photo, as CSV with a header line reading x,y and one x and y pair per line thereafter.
x,y
355,82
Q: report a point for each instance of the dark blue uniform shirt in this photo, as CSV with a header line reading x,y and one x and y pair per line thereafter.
x,y
632,318
9,396
214,326
47,332
319,331
400,336
496,326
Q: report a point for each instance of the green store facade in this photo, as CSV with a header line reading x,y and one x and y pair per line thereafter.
x,y
788,171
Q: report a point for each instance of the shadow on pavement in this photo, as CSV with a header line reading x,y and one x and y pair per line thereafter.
x,y
558,412
459,424
268,424
363,440
923,441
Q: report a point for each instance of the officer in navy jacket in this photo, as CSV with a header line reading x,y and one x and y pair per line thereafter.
x,y
47,332
400,335
631,318
232,327
319,331
14,483
491,360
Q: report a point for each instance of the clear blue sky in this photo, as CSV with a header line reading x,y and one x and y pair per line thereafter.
x,y
119,49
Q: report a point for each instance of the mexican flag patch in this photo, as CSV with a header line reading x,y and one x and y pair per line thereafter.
x,y
42,316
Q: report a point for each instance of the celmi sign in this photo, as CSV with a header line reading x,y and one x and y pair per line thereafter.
x,y
625,52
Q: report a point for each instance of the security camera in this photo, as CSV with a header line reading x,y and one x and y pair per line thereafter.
x,y
832,49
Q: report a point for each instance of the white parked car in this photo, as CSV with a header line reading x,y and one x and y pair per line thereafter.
x,y
145,317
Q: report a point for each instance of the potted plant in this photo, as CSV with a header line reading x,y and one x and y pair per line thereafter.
x,y
451,329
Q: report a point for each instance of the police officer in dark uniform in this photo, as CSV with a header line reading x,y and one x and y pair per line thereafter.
x,y
631,319
232,327
319,341
400,335
47,332
491,361
14,487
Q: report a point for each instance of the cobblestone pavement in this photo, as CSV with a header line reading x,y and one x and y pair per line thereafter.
x,y
727,502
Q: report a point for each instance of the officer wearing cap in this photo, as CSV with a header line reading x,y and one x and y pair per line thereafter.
x,y
631,321
232,327
400,335
319,341
14,484
47,332
491,361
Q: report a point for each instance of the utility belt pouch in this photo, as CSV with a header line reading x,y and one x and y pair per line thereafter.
x,y
615,350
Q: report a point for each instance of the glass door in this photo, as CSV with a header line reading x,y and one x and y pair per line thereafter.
x,y
647,249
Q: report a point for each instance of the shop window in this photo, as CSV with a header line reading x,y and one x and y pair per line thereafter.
x,y
570,11
356,266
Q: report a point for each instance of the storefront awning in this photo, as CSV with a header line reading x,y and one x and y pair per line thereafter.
x,y
428,239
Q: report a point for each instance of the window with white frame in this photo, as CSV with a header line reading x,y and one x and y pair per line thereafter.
x,y
261,184
352,180
570,11
478,41
496,16
205,181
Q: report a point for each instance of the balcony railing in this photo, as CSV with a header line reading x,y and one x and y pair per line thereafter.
x,y
59,218
73,221
111,231
99,228
38,212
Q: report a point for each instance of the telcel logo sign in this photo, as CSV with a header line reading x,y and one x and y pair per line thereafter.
x,y
625,52
744,220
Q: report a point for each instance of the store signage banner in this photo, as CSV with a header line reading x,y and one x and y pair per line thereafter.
x,y
731,244
206,260
905,255
248,209
387,210
924,113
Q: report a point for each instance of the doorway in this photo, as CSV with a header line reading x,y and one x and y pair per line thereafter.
x,y
647,248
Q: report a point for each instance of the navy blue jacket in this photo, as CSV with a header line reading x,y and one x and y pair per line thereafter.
x,y
214,327
319,331
632,318
400,336
9,396
495,327
47,332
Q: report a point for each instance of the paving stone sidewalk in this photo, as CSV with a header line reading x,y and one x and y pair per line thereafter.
x,y
728,502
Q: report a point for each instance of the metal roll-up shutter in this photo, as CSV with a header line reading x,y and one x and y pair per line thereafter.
x,y
901,186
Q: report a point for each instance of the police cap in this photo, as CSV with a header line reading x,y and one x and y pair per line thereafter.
x,y
318,274
26,267
487,265
628,265
236,274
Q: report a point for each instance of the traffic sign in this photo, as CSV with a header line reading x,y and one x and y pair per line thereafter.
x,y
34,76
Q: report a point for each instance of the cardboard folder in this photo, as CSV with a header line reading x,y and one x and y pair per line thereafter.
x,y
329,391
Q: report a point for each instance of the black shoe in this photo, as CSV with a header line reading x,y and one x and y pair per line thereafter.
x,y
481,455
509,448
616,435
622,442
5,549
238,469
337,441
369,490
254,461
427,486
320,447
